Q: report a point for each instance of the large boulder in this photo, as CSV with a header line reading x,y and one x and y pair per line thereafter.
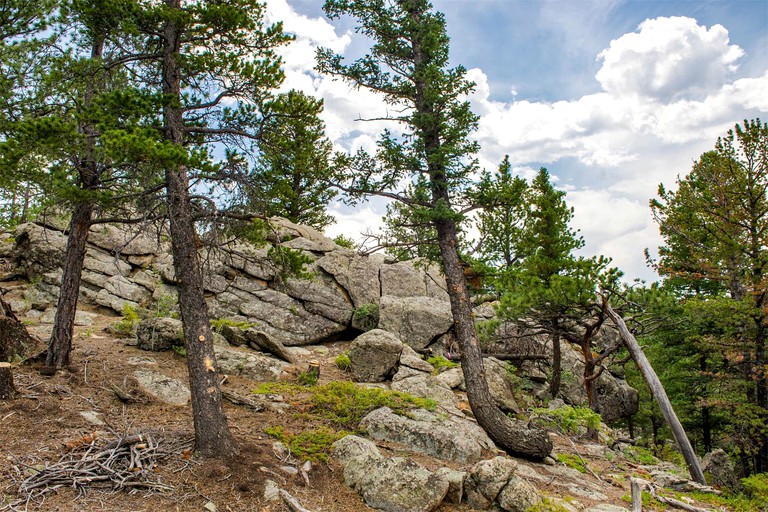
x,y
15,341
416,278
390,484
374,355
446,437
486,479
358,275
719,471
159,334
518,496
417,321
500,385
424,385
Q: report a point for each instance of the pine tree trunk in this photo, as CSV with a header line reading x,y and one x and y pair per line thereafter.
x,y
212,435
511,435
557,361
60,344
650,377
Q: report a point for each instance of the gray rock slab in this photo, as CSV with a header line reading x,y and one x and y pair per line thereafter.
x,y
250,364
163,388
443,436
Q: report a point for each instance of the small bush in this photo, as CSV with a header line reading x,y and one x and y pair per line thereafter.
x,y
756,487
343,241
314,445
367,316
441,364
127,325
343,363
307,379
640,455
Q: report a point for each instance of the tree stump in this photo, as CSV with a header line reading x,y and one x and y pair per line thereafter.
x,y
7,389
314,369
14,338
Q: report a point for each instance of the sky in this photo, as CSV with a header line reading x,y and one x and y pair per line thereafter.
x,y
613,97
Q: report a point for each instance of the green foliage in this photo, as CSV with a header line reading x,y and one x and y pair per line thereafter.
x,y
568,419
572,461
127,325
756,487
343,241
547,505
343,363
640,455
218,324
366,317
345,403
502,219
441,364
290,263
430,165
314,444
306,378
292,177
179,350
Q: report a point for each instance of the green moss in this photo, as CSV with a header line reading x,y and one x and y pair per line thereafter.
x,y
345,404
572,461
568,419
640,455
314,445
343,363
547,505
441,364
218,324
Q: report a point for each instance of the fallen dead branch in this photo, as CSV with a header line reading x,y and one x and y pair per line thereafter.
x,y
242,400
123,463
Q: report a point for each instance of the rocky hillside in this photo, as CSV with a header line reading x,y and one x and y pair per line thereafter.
x,y
368,324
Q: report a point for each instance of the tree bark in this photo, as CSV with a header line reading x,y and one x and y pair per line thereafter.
x,y
212,435
511,435
650,377
60,344
7,389
14,338
557,361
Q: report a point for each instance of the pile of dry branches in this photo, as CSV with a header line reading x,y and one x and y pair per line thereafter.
x,y
124,463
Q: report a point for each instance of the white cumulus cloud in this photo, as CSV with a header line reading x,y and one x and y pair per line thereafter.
x,y
668,58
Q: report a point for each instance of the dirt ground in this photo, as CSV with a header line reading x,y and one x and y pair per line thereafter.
x,y
45,423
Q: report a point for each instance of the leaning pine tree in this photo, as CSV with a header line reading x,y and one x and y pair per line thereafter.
x,y
408,64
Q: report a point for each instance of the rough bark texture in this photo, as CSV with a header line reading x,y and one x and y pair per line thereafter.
x,y
511,435
60,344
212,435
650,377
14,338
7,389
557,362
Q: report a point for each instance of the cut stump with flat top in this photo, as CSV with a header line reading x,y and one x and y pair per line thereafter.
x,y
7,389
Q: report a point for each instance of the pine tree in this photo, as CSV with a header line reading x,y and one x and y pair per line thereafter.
x,y
292,175
408,65
715,227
